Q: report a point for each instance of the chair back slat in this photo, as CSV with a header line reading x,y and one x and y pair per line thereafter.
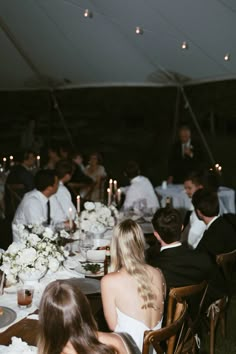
x,y
15,193
226,262
194,294
165,339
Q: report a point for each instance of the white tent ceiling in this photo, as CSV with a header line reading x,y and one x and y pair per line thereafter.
x,y
50,42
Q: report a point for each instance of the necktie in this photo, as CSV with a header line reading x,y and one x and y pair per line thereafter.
x,y
48,213
187,218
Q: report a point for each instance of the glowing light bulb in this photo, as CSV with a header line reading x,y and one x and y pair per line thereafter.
x,y
138,30
184,45
227,57
88,13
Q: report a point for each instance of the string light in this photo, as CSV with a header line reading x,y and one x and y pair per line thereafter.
x,y
138,30
227,57
88,13
184,45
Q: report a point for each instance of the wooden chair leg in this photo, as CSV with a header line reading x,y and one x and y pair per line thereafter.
x,y
212,336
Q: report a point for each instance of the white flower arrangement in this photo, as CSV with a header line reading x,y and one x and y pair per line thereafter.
x,y
97,217
39,249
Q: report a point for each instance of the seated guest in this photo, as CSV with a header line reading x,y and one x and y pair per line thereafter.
x,y
67,326
35,207
19,174
181,265
53,157
65,151
195,227
79,175
140,194
63,197
140,306
220,236
97,173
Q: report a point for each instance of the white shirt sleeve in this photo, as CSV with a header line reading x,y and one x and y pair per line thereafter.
x,y
197,228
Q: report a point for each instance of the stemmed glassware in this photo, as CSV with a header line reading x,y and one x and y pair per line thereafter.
x,y
86,244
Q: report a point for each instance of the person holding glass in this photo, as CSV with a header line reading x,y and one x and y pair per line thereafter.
x,y
67,326
133,293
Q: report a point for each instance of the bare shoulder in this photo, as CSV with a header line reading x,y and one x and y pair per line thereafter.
x,y
110,278
156,273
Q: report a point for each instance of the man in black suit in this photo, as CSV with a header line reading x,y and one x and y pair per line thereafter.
x,y
180,265
186,156
220,236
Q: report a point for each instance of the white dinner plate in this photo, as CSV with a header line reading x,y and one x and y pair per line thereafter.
x,y
11,289
80,269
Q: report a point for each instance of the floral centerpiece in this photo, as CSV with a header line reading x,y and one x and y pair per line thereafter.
x,y
39,250
97,217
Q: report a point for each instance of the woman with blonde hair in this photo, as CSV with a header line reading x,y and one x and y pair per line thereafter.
x,y
67,326
133,294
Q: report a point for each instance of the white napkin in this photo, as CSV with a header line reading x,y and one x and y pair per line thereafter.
x,y
33,317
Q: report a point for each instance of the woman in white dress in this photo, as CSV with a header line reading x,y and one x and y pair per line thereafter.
x,y
66,324
133,294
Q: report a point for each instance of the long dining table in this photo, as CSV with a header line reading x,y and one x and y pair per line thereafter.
x,y
25,325
27,328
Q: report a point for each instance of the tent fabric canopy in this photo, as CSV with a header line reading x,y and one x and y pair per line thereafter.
x,y
52,44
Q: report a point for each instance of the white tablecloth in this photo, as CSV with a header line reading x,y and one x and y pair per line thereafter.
x,y
10,299
180,200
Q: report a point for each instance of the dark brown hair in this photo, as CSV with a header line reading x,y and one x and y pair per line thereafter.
x,y
206,201
168,223
63,167
132,169
65,316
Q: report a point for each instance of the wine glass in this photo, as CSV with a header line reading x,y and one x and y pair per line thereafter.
x,y
86,244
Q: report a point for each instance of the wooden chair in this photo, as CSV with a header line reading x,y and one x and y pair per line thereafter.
x,y
14,194
218,310
195,295
167,339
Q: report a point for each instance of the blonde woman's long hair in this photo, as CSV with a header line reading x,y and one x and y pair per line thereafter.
x,y
127,250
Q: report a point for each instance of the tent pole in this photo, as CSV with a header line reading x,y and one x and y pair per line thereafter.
x,y
20,50
193,116
62,118
176,116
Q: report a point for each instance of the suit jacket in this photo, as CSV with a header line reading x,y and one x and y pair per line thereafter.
x,y
183,266
219,238
180,166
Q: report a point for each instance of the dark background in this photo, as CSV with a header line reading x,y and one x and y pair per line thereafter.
x,y
124,123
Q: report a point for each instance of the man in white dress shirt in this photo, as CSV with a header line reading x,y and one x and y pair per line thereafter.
x,y
35,207
140,194
195,227
64,172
